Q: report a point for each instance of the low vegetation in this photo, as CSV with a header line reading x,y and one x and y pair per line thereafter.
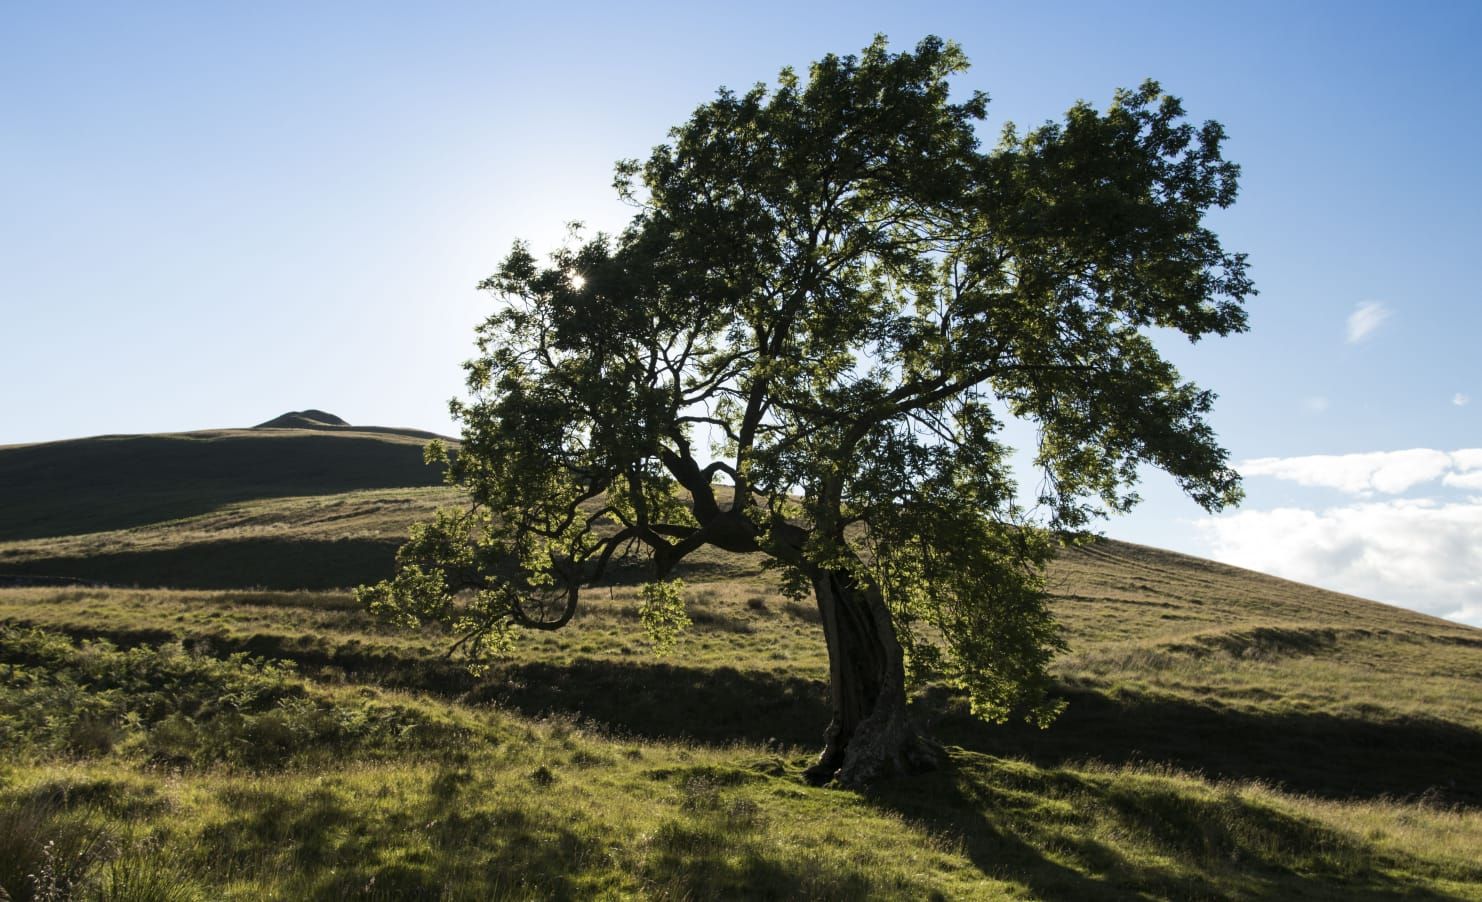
x,y
1228,735
252,744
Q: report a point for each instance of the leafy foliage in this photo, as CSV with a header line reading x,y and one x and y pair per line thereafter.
x,y
175,707
833,282
662,612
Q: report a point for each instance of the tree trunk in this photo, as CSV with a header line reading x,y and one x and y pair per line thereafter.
x,y
871,736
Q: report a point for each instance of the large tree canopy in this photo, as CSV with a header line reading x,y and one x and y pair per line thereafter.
x,y
835,286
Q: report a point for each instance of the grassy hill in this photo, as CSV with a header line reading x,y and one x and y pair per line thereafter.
x,y
1229,734
117,482
316,541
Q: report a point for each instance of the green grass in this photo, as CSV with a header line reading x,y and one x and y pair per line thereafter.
x,y
555,808
1229,735
1238,751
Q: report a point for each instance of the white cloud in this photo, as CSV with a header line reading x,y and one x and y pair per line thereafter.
x,y
1470,612
1364,319
1316,403
1471,480
1418,553
1467,459
1460,400
1421,553
1388,472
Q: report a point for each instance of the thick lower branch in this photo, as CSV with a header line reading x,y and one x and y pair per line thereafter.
x,y
524,619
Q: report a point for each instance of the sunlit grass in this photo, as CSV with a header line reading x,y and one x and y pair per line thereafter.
x,y
1229,736
554,811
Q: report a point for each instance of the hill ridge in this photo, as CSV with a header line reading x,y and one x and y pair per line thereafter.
x,y
302,419
102,483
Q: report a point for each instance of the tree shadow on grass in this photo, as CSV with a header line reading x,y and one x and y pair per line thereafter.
x,y
338,847
1315,754
1040,828
460,843
714,706
268,563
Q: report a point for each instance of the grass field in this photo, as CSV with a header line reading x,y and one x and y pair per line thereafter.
x,y
1229,735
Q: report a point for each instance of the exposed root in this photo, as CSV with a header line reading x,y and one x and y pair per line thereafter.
x,y
873,754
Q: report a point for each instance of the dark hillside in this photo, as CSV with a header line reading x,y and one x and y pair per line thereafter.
x,y
122,481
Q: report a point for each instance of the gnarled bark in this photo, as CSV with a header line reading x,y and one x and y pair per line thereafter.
x,y
871,735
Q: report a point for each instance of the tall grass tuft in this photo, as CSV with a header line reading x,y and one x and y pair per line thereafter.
x,y
48,854
146,876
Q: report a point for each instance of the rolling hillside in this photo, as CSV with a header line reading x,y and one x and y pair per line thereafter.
x,y
120,482
300,501
1228,735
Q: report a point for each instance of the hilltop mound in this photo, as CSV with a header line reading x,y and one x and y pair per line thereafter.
x,y
303,419
320,421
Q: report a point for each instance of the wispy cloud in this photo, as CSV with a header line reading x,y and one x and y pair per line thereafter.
x,y
1460,400
1422,554
1316,404
1365,318
1385,472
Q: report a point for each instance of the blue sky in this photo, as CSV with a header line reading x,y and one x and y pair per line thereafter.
x,y
215,213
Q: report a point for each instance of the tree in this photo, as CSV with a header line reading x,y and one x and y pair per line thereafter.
x,y
834,280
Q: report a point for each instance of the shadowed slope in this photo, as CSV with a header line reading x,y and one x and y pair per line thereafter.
x,y
120,481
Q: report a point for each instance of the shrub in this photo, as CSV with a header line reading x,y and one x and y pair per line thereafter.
x,y
184,708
